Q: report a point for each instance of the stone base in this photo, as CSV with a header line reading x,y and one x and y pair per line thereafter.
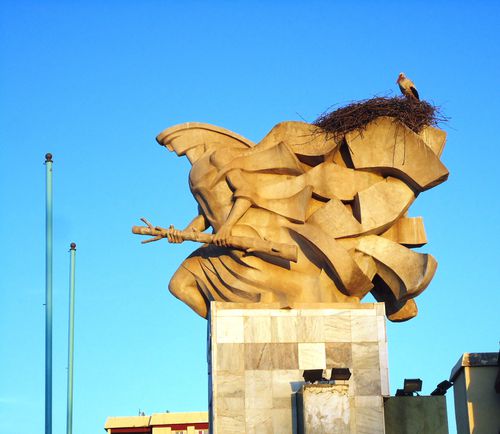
x,y
257,356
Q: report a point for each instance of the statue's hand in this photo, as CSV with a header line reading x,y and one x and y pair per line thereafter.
x,y
173,235
221,238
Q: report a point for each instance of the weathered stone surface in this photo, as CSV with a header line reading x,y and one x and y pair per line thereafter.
x,y
324,409
331,408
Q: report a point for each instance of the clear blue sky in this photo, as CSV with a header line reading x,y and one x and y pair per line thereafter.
x,y
94,82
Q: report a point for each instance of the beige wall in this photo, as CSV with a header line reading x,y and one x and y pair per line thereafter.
x,y
460,397
477,405
482,401
166,430
161,430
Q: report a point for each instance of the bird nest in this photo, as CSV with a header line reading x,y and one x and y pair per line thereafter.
x,y
357,115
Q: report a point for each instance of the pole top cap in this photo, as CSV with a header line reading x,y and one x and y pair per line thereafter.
x,y
48,157
72,246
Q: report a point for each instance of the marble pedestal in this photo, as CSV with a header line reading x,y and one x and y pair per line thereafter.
x,y
257,355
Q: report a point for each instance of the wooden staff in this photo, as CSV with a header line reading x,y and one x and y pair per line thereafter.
x,y
247,244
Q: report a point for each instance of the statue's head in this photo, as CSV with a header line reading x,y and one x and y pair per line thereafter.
x,y
180,138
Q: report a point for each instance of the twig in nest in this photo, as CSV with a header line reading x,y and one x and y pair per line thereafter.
x,y
355,116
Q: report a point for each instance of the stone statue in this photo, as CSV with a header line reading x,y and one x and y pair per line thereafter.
x,y
303,217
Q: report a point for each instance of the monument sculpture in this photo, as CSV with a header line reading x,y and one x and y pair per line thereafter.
x,y
309,214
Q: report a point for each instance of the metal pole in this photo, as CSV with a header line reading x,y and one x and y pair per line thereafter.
x,y
48,295
69,414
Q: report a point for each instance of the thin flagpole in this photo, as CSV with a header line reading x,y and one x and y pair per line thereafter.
x,y
69,414
48,295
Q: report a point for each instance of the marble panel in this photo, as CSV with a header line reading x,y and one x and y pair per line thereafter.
x,y
368,401
337,328
364,312
315,310
312,356
258,390
259,421
365,356
366,382
230,384
257,311
230,424
353,416
338,355
227,312
284,328
370,420
380,309
320,308
284,312
282,382
230,330
384,383
384,369
224,308
381,327
281,403
230,357
222,311
284,356
282,420
257,329
231,405
310,329
364,328
258,356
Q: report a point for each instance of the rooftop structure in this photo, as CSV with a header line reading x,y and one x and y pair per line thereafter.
x,y
477,401
160,423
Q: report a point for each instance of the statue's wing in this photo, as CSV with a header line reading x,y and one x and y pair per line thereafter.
x,y
180,138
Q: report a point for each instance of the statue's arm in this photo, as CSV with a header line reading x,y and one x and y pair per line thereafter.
x,y
198,224
239,208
